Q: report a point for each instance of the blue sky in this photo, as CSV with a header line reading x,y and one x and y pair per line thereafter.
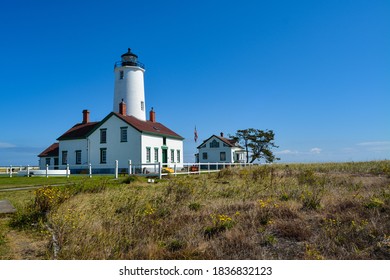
x,y
315,72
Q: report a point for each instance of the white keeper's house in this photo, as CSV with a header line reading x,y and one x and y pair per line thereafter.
x,y
124,134
220,149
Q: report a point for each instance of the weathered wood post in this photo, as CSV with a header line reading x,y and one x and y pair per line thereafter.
x,y
10,172
67,171
47,171
129,171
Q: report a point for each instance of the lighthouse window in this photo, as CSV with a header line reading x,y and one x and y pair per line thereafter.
x,y
147,154
121,75
103,135
178,155
142,105
64,157
172,155
78,157
155,154
103,155
123,134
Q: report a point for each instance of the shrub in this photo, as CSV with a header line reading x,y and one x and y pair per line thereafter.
x,y
175,245
220,224
194,206
306,177
311,198
374,203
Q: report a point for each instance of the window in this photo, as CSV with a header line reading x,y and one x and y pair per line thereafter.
x,y
121,75
204,156
123,134
103,135
78,157
47,161
214,144
142,105
178,155
222,156
147,154
172,155
64,157
103,155
155,154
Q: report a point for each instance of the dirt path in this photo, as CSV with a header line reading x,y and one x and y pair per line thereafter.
x,y
20,245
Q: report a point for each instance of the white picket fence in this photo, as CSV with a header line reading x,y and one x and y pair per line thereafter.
x,y
141,169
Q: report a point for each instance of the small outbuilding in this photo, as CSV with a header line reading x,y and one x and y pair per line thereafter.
x,y
220,149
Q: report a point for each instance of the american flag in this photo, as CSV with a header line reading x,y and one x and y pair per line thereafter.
x,y
195,135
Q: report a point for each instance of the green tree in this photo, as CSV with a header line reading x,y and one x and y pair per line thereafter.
x,y
259,142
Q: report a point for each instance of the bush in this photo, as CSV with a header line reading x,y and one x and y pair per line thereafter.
x,y
220,224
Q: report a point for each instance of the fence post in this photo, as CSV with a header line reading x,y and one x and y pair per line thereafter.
x,y
90,170
47,171
28,170
116,169
159,170
10,172
129,171
199,168
67,171
208,167
174,168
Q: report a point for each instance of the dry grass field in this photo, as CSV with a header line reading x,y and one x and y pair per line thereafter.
x,y
300,211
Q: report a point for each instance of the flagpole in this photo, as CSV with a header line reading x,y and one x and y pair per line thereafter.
x,y
196,140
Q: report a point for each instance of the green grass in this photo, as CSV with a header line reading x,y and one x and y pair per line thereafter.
x,y
307,211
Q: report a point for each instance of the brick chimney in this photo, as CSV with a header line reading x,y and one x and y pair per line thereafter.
x,y
85,116
221,134
152,115
122,108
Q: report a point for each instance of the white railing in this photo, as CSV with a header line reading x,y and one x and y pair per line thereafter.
x,y
199,168
140,169
12,170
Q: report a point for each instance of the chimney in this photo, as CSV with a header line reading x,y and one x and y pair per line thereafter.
x,y
85,116
221,134
122,108
152,115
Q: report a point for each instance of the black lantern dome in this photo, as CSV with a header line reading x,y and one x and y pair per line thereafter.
x,y
129,59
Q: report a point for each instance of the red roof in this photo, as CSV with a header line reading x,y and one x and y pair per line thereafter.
x,y
79,131
148,126
83,130
51,151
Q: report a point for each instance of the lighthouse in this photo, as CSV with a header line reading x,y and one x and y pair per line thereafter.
x,y
129,85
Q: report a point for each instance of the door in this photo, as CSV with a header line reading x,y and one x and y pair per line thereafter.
x,y
164,157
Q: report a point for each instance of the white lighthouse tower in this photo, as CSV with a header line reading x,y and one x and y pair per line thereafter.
x,y
129,85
